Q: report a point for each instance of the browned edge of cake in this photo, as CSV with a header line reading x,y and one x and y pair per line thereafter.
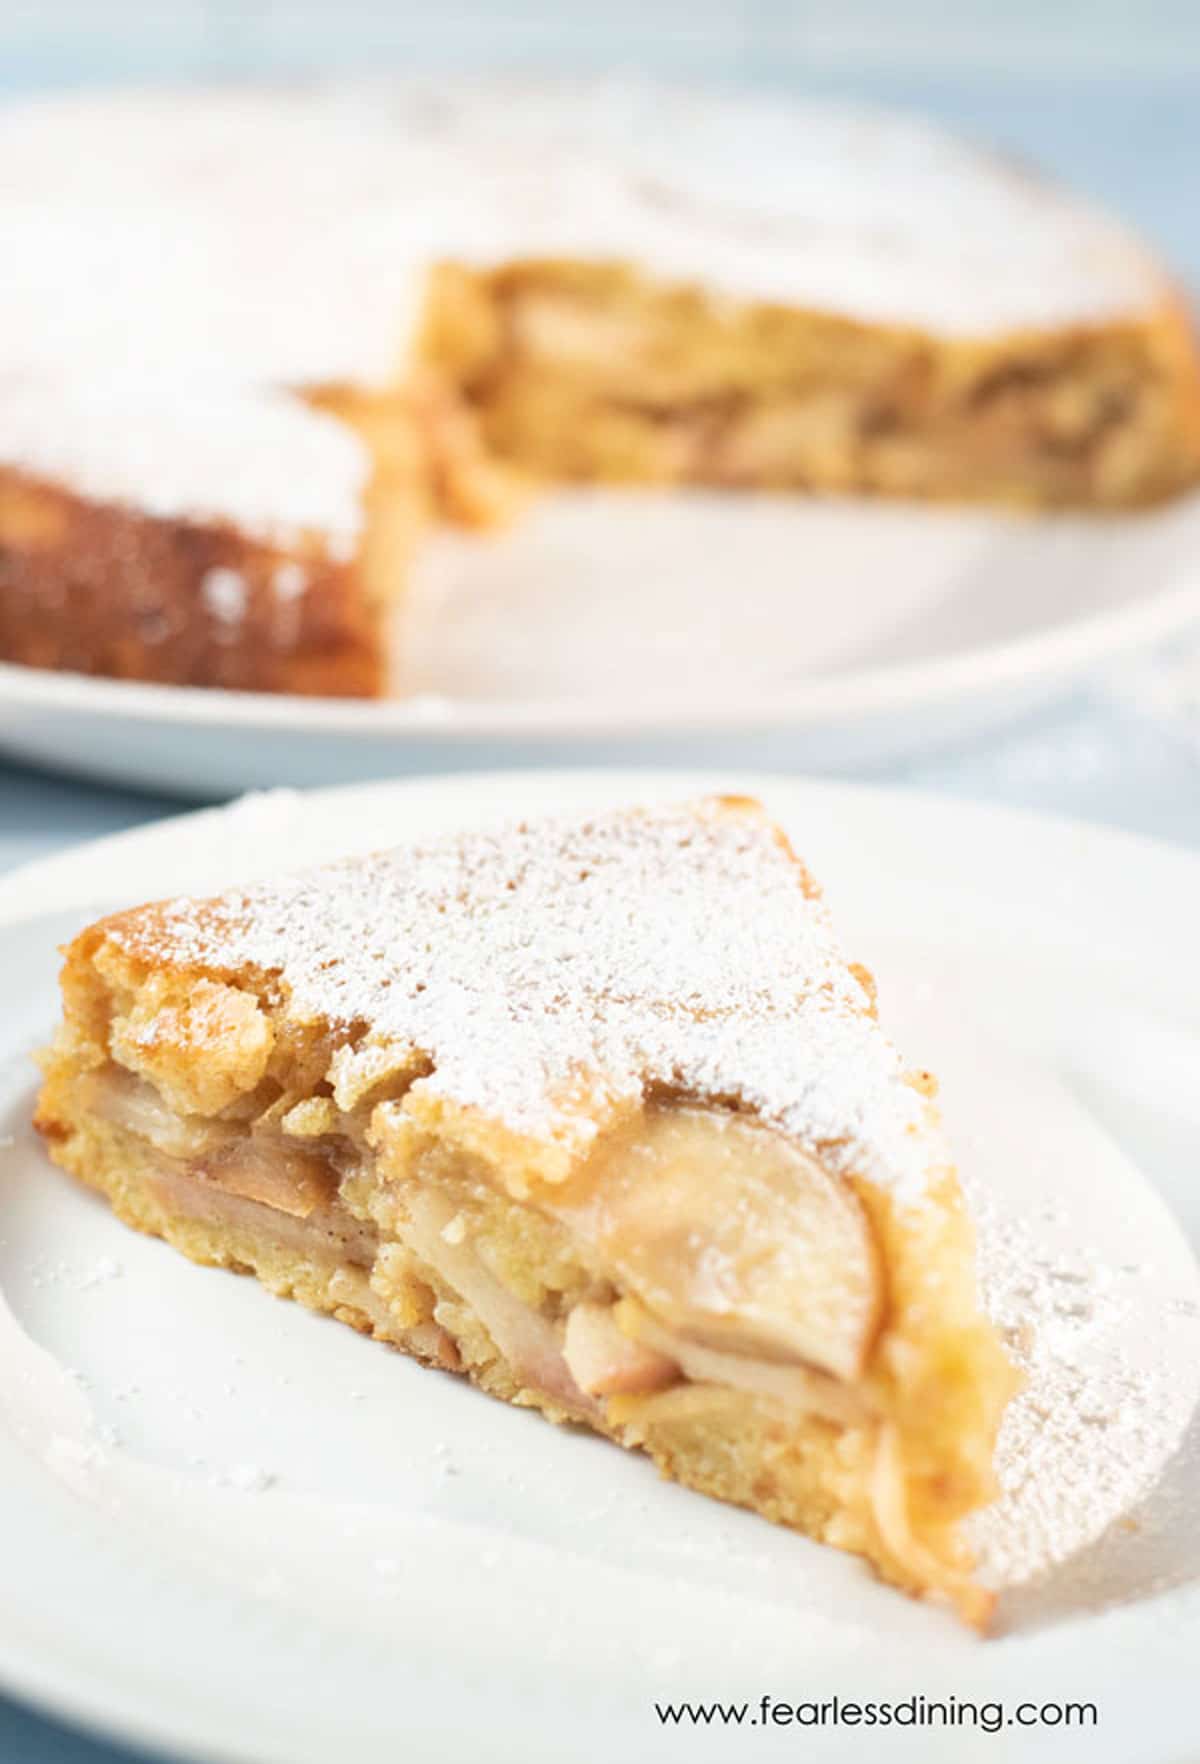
x,y
98,588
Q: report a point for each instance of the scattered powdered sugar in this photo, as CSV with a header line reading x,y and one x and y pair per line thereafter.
x,y
246,1478
224,593
1092,1424
71,1458
289,585
70,1275
550,969
289,582
102,1271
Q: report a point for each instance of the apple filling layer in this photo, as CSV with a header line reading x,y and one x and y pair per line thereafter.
x,y
596,372
783,1303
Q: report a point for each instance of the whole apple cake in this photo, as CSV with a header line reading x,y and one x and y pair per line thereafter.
x,y
253,342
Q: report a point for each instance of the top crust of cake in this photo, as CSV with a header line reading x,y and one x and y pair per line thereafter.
x,y
284,235
257,458
547,975
284,239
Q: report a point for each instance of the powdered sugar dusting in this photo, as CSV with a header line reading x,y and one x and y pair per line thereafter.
x,y
179,449
289,582
246,1478
224,593
1085,1436
673,947
284,238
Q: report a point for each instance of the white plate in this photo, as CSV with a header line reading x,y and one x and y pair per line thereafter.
x,y
432,1575
739,629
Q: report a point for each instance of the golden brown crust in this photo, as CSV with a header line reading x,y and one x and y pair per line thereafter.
x,y
98,588
95,588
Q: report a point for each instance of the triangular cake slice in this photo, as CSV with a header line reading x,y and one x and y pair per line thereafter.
x,y
592,1111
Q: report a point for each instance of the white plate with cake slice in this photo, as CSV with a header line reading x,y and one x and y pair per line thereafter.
x,y
245,1533
695,627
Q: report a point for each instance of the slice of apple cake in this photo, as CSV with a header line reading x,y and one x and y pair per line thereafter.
x,y
592,1111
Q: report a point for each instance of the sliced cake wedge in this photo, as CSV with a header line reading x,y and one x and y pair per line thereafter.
x,y
592,1111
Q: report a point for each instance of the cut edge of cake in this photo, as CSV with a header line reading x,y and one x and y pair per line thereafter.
x,y
597,372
